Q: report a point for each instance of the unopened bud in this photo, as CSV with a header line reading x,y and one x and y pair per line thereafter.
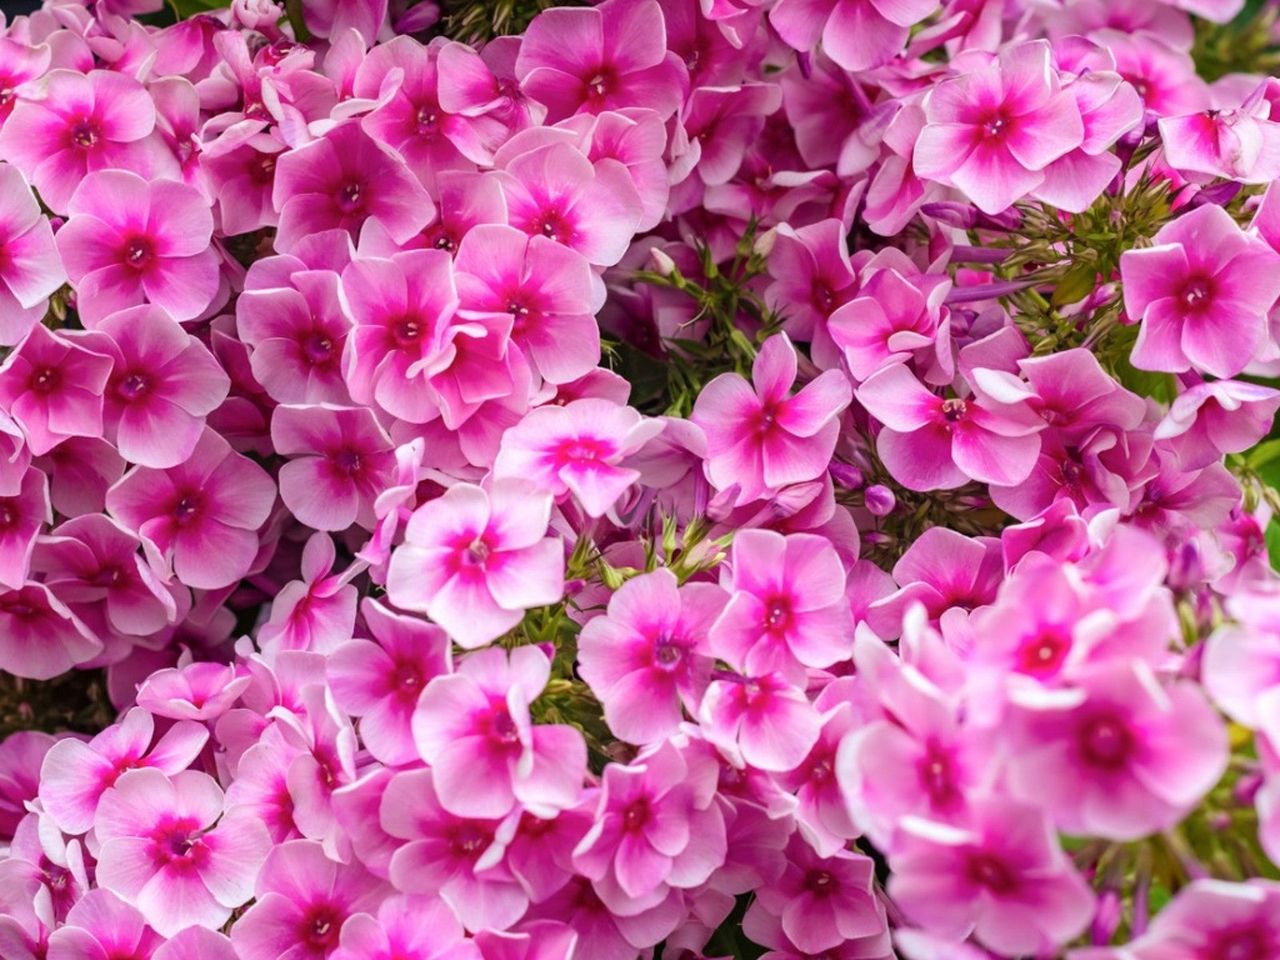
x,y
880,500
662,263
764,243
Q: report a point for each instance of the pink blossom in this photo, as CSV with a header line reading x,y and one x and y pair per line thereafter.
x,y
856,34
102,925
30,269
381,680
331,18
84,122
992,132
1209,916
22,518
196,943
475,560
405,928
39,637
603,58
812,276
822,811
21,755
647,657
1202,293
197,691
765,720
130,241
200,518
1003,877
536,940
759,436
1241,144
316,612
52,385
1215,418
474,729
162,386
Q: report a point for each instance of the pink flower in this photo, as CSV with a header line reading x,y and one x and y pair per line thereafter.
x,y
405,928
603,58
102,925
894,318
486,755
196,943
130,241
546,289
332,18
21,755
39,637
30,269
856,34
84,122
301,901
22,518
765,721
340,181
812,276
164,383
52,384
458,859
1213,916
992,132
341,460
1118,756
316,612
1003,877
577,448
1202,293
167,849
536,940
647,657
1241,144
759,436
200,518
822,902
1216,418
198,691
381,680
475,560
656,827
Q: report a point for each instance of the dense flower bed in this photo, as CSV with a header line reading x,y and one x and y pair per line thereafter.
x,y
683,478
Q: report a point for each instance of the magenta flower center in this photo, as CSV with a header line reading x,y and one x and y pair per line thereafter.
x,y
84,134
317,349
821,883
1106,742
407,680
407,331
637,814
107,576
476,553
667,654
425,119
501,727
937,776
45,380
263,168
1044,653
1247,944
321,926
138,252
989,871
8,515
954,409
469,841
1196,292
178,845
995,127
777,614
132,387
347,462
823,298
599,84
186,508
351,197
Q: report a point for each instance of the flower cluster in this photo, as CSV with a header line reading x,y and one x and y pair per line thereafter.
x,y
692,478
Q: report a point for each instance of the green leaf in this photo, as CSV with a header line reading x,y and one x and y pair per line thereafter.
x,y
1075,285
1161,387
189,8
1264,453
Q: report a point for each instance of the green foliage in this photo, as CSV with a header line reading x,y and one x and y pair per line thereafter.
x,y
1245,45
474,21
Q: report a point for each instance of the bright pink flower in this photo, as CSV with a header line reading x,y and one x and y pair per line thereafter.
x,y
895,317
992,132
333,18
22,518
822,811
1202,293
546,289
1209,917
556,192
39,637
787,609
130,241
164,383
856,34
1003,877
766,720
196,943
21,755
759,436
30,269
198,691
1241,144
316,612
405,928
823,902
20,65
475,560
812,276
91,564
401,307
718,124
536,940
656,827
102,925
198,519
84,122
52,384
301,901
341,460
242,178
1118,756
458,859
1216,418
486,755
381,680
603,58
647,657
340,181
941,570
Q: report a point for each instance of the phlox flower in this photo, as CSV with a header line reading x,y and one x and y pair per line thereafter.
x,y
761,437
326,762
787,607
929,442
167,849
1242,659
601,58
1119,755
535,940
474,560
129,241
30,268
405,928
764,720
197,691
102,925
540,854
546,289
856,34
200,518
196,943
1218,417
21,754
48,865
1002,876
22,518
822,808
302,899
647,658
1241,144
380,680
458,859
162,386
607,933
52,385
992,132
812,275
486,755
1202,292
20,64
39,637
83,122
656,827
316,612
577,448
341,180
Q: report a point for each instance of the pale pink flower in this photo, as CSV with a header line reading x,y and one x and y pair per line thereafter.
x,y
201,690
647,657
52,385
316,612
812,276
39,636
30,269
486,755
1216,418
21,755
759,436
100,924
1214,916
475,560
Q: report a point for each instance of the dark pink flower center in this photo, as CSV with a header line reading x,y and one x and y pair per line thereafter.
x,y
107,576
636,814
263,169
821,769
321,926
426,119
989,871
823,298
954,409
178,845
777,614
937,776
407,331
406,681
346,462
1105,741
186,508
317,349
476,553
9,514
1043,654
133,387
138,252
351,197
502,727
1196,291
45,380
469,841
600,83
821,883
1250,943
667,653
582,450
767,418
552,226
85,134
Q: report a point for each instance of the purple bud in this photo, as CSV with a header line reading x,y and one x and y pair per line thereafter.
x,y
1106,921
880,500
847,475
